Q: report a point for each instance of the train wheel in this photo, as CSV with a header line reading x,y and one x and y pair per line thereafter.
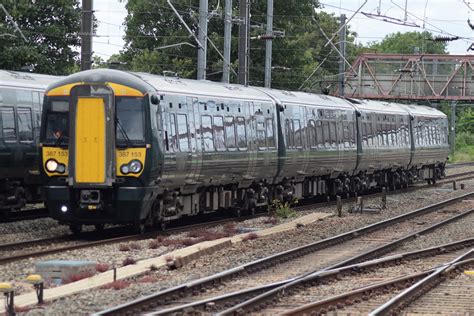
x,y
99,227
76,229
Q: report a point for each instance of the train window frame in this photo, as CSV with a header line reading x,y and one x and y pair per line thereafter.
x,y
333,134
11,110
185,140
29,131
219,138
229,125
240,120
207,136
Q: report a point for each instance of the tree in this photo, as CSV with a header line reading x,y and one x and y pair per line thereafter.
x,y
409,43
51,29
151,24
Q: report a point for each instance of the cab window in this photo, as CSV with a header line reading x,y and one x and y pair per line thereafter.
x,y
130,129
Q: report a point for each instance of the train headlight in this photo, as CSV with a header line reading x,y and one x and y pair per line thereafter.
x,y
134,166
125,169
54,166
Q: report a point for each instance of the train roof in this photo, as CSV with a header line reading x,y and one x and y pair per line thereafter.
x,y
379,106
105,75
297,97
203,87
422,110
16,79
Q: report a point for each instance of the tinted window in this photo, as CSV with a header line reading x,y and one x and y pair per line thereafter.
x,y
230,132
241,133
130,125
297,133
270,133
219,132
24,97
57,122
183,132
261,135
25,128
8,123
206,124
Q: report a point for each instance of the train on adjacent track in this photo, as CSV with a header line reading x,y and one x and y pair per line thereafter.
x,y
21,99
119,147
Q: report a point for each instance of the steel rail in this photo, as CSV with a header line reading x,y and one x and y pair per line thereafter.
x,y
272,260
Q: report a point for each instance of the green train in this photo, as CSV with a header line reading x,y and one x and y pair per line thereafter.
x,y
119,147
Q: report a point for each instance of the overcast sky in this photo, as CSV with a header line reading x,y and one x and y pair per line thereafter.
x,y
441,17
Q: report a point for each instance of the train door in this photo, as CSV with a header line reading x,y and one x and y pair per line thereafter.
x,y
195,135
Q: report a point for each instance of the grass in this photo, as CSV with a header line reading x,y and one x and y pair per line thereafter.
x,y
464,148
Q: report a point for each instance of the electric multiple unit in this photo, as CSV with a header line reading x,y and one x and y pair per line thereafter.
x,y
120,147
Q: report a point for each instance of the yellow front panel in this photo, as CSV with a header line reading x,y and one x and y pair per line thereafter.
x,y
124,156
90,141
58,154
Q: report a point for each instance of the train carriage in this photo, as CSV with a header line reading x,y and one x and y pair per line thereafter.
x,y
21,98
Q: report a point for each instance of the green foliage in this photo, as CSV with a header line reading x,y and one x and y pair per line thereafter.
x,y
408,43
52,31
151,24
283,209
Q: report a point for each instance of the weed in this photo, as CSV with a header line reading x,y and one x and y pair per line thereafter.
x,y
230,229
153,268
102,267
271,220
135,246
283,209
128,261
154,244
169,258
250,236
124,247
22,309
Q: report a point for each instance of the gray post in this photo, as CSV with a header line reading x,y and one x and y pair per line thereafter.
x,y
360,202
453,126
384,198
86,35
202,36
268,45
244,38
339,206
227,41
342,47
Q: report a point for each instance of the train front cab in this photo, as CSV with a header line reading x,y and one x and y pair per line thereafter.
x,y
96,154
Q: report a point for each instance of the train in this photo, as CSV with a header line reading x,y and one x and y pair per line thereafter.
x,y
21,100
135,148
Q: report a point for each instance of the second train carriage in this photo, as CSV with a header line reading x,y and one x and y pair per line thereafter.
x,y
139,148
21,98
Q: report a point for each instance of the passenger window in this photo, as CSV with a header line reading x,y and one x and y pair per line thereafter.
x,y
230,132
333,134
351,134
297,134
261,135
270,133
24,97
219,133
319,135
241,133
206,130
289,134
173,145
311,134
25,128
370,135
326,135
183,133
8,123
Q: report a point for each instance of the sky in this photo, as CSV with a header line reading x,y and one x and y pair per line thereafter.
x,y
441,17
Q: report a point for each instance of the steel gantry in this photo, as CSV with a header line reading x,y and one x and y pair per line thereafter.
x,y
411,77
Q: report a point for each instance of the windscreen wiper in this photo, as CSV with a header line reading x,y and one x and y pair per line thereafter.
x,y
122,131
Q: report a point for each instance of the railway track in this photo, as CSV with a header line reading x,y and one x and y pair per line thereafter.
x,y
393,294
459,164
326,254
